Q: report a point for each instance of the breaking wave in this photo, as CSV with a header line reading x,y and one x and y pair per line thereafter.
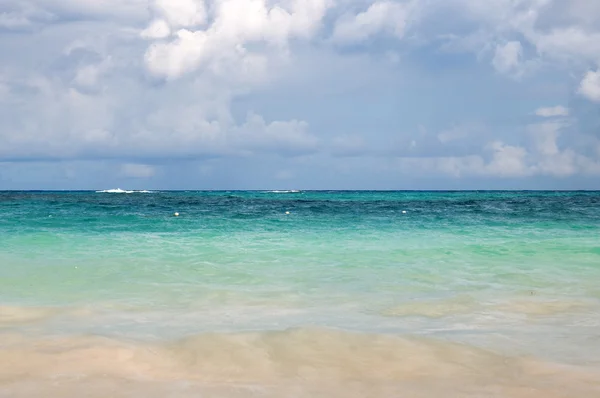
x,y
119,190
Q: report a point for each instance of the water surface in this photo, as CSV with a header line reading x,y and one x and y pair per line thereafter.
x,y
293,293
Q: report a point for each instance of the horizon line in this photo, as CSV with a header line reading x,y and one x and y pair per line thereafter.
x,y
300,190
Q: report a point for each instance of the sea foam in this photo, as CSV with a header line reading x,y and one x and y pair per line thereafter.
x,y
119,190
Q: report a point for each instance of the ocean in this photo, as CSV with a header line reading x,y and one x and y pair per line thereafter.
x,y
299,294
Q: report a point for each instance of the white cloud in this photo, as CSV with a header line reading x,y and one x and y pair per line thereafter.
x,y
453,134
181,13
223,46
158,29
544,137
507,58
290,137
567,44
381,17
590,86
559,164
99,107
73,124
507,161
126,10
137,170
588,166
88,76
18,15
558,33
85,93
182,55
13,20
552,111
459,166
549,159
29,13
511,161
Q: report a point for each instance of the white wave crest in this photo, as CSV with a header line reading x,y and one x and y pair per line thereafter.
x,y
119,190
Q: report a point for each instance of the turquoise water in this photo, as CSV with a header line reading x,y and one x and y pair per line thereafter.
x,y
515,273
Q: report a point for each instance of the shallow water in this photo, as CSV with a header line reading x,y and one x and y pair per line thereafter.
x,y
350,294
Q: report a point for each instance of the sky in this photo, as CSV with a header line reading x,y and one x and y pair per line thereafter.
x,y
300,94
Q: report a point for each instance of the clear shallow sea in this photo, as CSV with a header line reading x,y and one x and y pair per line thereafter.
x,y
351,294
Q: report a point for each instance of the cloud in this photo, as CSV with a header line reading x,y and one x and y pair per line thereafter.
x,y
507,161
540,33
507,58
544,136
91,98
158,29
381,17
29,14
544,157
222,47
552,111
453,134
88,76
13,21
456,166
143,82
181,13
291,137
70,124
590,86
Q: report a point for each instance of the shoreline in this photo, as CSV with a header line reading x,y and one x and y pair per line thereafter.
x,y
304,360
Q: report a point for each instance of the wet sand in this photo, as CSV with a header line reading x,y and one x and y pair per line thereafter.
x,y
302,362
